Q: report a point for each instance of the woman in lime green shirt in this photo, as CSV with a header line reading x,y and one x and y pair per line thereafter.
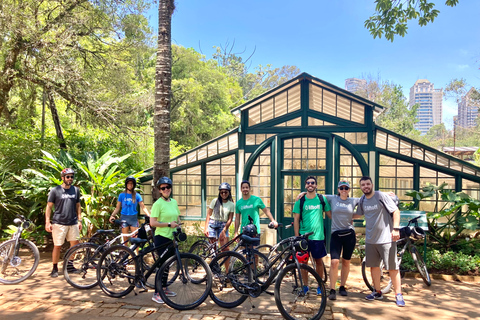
x,y
165,217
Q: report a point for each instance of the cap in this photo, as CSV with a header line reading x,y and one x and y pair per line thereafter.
x,y
343,183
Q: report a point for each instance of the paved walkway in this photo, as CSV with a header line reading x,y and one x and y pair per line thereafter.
x,y
41,297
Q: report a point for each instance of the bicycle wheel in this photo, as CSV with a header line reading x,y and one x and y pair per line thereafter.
x,y
325,273
80,265
262,265
265,249
201,248
385,280
292,300
102,238
116,271
148,260
231,273
420,264
185,280
17,263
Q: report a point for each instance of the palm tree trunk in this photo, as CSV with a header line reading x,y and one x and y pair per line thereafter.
x,y
163,91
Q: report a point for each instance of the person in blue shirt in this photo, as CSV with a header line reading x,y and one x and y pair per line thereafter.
x,y
127,203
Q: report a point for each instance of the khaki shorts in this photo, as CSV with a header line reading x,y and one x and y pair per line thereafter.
x,y
60,232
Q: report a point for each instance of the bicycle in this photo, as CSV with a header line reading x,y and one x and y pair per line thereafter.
x,y
408,234
19,258
81,261
273,251
234,281
121,270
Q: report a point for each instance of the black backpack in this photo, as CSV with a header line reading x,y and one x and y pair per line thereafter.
x,y
377,196
302,202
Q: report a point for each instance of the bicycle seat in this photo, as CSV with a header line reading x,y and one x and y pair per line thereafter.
x,y
104,231
250,240
137,240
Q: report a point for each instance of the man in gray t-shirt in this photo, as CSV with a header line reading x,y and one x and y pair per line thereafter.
x,y
382,219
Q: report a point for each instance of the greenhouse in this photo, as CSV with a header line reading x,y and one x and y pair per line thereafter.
x,y
310,127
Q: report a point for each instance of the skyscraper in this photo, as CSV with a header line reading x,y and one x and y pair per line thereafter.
x,y
468,110
354,84
429,113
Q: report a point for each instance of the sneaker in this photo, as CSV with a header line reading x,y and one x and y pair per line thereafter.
x,y
54,274
72,269
156,298
169,293
343,291
400,301
374,296
319,291
305,289
333,295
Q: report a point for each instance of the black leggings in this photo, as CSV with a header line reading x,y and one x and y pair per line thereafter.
x,y
342,239
160,240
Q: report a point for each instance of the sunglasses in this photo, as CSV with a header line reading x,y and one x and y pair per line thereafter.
x,y
311,182
343,188
166,188
68,177
223,192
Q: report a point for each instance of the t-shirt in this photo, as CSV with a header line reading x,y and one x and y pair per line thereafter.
x,y
165,211
65,205
224,211
378,220
342,212
128,207
250,207
312,217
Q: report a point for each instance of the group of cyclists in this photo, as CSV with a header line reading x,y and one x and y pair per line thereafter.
x,y
381,216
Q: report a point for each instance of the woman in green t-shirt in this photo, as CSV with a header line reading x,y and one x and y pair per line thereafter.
x,y
165,217
220,215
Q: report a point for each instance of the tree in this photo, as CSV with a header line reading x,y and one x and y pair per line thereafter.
x,y
391,16
163,93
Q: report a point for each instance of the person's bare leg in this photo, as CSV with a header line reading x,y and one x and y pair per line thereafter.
x,y
334,272
375,271
345,272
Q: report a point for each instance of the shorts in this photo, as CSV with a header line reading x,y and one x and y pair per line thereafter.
x,y
129,220
342,240
317,248
386,252
215,228
60,232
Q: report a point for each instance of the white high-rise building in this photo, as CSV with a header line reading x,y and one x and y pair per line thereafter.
x,y
468,110
429,113
354,85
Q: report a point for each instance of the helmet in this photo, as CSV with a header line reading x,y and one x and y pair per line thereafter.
x,y
250,230
302,256
225,186
131,178
67,171
164,180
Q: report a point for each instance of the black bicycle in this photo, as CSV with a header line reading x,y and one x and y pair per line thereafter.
x,y
121,270
234,279
408,234
19,258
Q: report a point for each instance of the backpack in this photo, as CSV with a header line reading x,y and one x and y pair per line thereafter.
x,y
377,196
302,202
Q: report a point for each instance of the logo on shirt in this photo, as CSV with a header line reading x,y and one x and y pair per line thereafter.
x,y
343,205
247,206
312,207
68,196
370,208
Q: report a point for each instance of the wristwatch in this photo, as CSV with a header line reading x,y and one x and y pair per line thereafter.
x,y
169,224
398,229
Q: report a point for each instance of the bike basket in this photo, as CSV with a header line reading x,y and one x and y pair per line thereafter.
x,y
301,245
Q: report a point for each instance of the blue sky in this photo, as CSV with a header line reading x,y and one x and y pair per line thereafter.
x,y
328,40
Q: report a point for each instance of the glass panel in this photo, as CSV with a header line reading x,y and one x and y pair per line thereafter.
x,y
358,112
315,98
417,152
405,148
455,165
430,156
294,98
468,170
259,178
182,160
297,122
314,122
259,138
381,140
393,143
202,153
250,139
232,141
192,156
343,108
442,161
325,123
362,138
254,116
329,103
267,110
351,137
187,191
281,104
212,149
223,145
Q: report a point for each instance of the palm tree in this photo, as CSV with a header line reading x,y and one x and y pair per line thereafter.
x,y
163,84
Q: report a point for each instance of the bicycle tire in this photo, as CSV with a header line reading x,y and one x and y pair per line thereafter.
x,y
102,238
21,267
420,264
117,271
266,249
290,297
201,248
148,260
385,281
80,265
325,274
263,266
189,294
228,281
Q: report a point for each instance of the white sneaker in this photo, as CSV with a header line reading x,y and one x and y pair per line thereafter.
x,y
156,298
169,293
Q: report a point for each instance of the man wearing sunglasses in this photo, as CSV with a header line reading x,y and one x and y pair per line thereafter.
x,y
66,222
310,219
